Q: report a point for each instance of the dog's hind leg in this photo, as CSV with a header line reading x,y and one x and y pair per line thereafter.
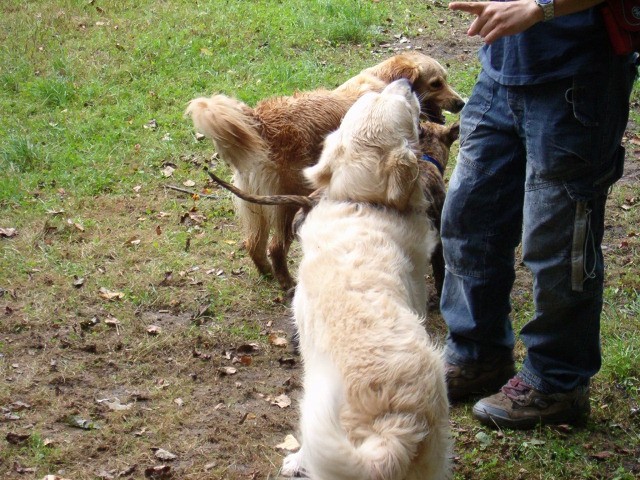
x,y
280,244
256,230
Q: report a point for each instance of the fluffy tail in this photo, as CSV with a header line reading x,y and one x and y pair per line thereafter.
x,y
386,447
232,127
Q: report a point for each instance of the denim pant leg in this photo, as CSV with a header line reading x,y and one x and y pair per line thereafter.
x,y
573,134
481,227
563,140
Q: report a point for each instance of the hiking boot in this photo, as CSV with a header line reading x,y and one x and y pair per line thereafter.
x,y
464,380
520,406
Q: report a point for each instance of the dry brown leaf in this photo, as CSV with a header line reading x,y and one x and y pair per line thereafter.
x,y
154,330
163,454
278,341
227,371
158,472
290,444
76,225
110,295
8,232
112,322
282,401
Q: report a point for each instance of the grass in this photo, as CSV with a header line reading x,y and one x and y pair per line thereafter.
x,y
92,95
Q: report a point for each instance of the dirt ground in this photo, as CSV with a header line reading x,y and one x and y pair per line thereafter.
x,y
213,401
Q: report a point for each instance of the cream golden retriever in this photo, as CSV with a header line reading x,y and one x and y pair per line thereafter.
x,y
375,402
268,146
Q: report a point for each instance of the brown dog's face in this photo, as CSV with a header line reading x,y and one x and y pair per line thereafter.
x,y
429,81
434,92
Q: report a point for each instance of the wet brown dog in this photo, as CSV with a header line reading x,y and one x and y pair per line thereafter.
x,y
435,142
268,146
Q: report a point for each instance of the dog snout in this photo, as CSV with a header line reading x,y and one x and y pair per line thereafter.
x,y
457,105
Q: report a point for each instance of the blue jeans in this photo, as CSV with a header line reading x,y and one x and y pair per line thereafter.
x,y
535,166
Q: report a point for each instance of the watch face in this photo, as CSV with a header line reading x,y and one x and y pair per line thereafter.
x,y
544,2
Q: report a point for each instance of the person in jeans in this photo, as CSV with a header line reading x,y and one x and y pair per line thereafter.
x,y
539,149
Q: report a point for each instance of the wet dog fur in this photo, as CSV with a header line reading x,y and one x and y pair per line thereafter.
x,y
268,146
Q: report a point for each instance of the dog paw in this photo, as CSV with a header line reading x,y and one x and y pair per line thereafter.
x,y
291,466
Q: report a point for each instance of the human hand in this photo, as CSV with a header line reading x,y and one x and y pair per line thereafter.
x,y
498,19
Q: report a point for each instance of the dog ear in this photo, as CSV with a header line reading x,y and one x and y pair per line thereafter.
x,y
406,69
401,170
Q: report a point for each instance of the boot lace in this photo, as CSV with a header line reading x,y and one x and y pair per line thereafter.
x,y
516,388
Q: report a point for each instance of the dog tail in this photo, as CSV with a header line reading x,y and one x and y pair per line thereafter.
x,y
231,125
390,442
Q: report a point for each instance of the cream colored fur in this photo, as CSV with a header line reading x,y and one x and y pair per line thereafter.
x,y
375,403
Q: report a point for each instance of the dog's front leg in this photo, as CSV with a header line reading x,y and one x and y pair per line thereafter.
x,y
292,465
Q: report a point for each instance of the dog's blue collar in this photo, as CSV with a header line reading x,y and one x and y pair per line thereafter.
x,y
430,159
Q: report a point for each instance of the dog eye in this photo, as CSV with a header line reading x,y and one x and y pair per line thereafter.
x,y
436,84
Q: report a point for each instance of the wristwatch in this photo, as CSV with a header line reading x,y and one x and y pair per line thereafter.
x,y
547,7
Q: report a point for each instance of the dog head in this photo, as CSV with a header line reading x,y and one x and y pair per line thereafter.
x,y
435,140
371,158
428,79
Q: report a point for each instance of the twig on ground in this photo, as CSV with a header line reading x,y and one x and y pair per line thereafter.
x,y
190,192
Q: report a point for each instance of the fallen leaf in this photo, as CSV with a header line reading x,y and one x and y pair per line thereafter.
x,y
282,401
112,322
189,183
179,402
117,406
8,232
55,212
227,371
158,472
154,330
53,477
165,455
127,471
151,124
76,225
109,295
604,455
81,423
20,469
78,281
290,444
168,171
18,405
278,341
483,438
135,240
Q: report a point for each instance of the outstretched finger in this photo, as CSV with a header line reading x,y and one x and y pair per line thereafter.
x,y
475,8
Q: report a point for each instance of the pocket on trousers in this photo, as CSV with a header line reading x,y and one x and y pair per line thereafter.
x,y
474,110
